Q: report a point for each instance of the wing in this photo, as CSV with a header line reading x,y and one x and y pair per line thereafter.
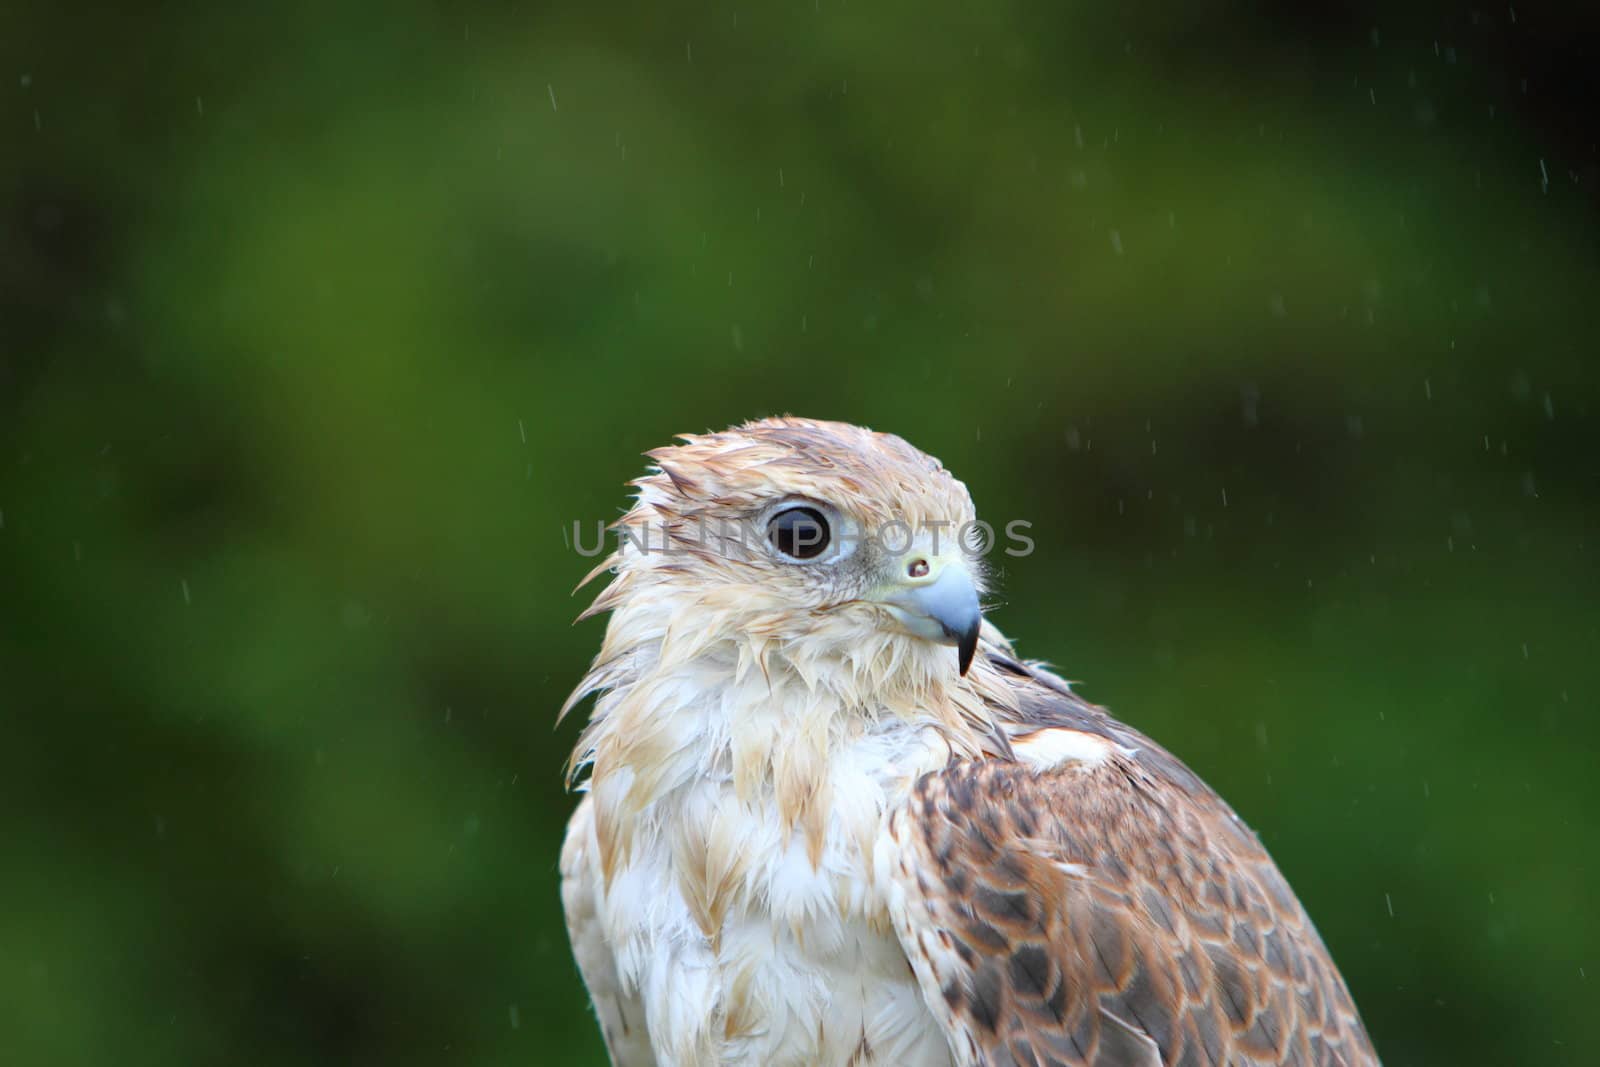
x,y
620,1012
1091,902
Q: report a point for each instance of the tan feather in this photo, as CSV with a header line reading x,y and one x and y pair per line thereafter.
x,y
1127,879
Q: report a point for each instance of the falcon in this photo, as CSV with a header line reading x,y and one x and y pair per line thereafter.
x,y
831,818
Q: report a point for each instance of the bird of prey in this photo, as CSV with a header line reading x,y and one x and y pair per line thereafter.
x,y
832,819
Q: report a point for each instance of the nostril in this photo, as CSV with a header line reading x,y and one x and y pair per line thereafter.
x,y
917,568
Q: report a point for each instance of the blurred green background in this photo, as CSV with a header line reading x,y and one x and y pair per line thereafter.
x,y
319,327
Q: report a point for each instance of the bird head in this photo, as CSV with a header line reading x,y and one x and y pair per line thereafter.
x,y
821,542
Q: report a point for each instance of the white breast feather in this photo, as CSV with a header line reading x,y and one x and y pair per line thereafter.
x,y
806,970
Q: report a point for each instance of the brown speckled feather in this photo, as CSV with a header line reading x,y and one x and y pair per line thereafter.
x,y
1111,912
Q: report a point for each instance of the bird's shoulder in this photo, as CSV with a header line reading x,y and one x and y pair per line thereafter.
x,y
1086,899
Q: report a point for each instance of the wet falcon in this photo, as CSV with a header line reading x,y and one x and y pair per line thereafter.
x,y
830,818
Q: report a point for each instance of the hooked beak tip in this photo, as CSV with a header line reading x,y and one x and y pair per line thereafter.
x,y
968,647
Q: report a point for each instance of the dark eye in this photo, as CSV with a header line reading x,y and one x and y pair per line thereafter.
x,y
799,532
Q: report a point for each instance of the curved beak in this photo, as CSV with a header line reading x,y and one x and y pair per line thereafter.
x,y
936,599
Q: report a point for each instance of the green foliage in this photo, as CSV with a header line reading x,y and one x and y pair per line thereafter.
x,y
322,329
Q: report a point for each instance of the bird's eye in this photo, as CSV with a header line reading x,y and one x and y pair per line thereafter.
x,y
799,532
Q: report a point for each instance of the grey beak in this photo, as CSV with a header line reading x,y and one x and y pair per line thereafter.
x,y
945,610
